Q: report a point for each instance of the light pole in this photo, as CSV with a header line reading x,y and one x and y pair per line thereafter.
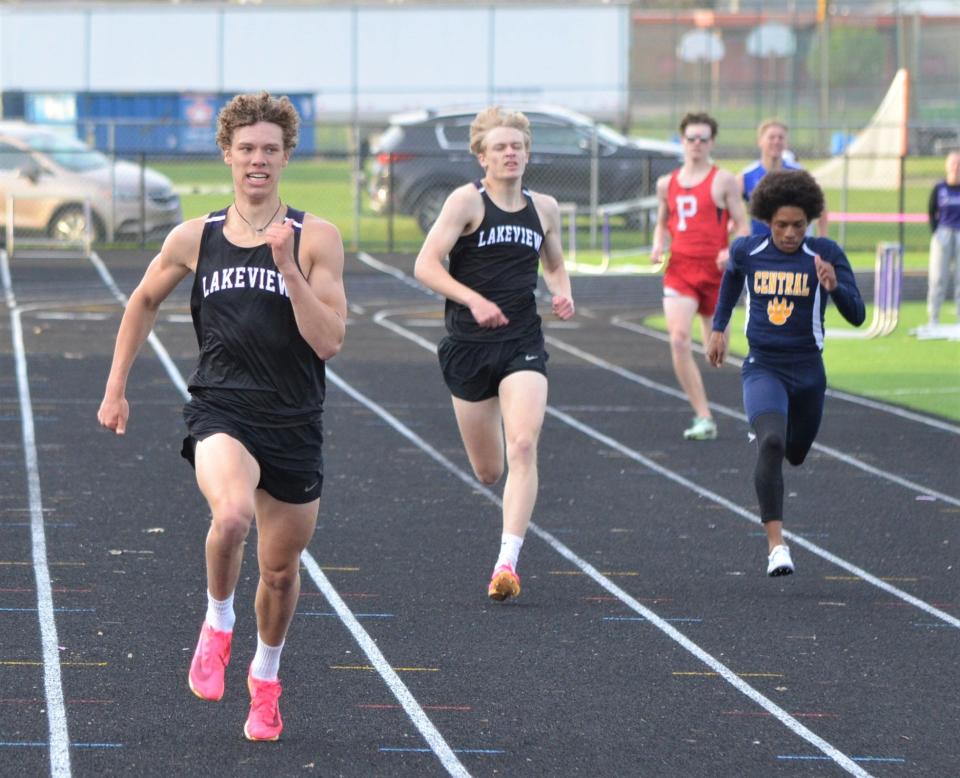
x,y
823,24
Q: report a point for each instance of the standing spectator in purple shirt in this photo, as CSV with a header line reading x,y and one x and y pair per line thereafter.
x,y
944,212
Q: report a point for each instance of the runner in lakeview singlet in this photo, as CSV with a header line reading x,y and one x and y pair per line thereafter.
x,y
496,234
498,260
269,308
253,361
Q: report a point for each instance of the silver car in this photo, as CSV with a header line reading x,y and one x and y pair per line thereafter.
x,y
54,180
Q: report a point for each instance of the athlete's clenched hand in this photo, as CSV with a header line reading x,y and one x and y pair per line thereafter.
x,y
562,307
279,237
825,274
717,348
487,314
113,414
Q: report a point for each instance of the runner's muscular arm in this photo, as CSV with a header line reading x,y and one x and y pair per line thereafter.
x,y
661,234
176,259
461,214
316,287
551,257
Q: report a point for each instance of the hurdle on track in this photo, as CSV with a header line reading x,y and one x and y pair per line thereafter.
x,y
646,205
887,283
569,210
604,212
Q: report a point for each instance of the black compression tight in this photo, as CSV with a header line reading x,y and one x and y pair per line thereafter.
x,y
771,431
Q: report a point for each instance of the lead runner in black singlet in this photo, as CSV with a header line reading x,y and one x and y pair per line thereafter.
x,y
496,233
268,307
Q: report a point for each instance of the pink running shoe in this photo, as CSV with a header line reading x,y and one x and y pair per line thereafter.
x,y
504,583
209,663
263,721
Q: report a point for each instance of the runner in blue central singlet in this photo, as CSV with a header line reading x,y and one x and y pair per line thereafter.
x,y
788,277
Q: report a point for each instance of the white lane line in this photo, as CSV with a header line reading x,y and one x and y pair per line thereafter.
x,y
636,456
421,721
52,680
728,411
619,321
396,272
795,539
674,634
919,391
409,703
382,319
73,316
671,391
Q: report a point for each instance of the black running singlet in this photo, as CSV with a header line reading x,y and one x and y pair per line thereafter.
x,y
254,364
499,260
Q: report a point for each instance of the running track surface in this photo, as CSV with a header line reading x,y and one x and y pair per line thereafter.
x,y
647,640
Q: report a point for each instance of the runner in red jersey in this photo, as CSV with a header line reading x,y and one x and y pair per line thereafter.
x,y
699,204
698,230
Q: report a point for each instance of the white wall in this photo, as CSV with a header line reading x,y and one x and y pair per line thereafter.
x,y
293,50
41,51
154,50
374,59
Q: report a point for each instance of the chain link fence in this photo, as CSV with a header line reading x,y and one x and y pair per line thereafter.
x,y
383,185
821,73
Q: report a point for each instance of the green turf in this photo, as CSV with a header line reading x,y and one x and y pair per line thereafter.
x,y
898,369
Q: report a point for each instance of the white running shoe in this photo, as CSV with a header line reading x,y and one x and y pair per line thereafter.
x,y
779,562
703,428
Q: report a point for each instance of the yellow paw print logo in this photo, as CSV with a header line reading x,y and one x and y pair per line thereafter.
x,y
778,311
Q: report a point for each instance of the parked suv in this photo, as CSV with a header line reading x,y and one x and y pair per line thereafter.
x,y
424,155
51,174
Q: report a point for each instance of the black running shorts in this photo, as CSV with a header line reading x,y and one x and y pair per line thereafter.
x,y
290,458
473,371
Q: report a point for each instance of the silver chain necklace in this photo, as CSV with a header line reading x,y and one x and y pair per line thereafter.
x,y
258,230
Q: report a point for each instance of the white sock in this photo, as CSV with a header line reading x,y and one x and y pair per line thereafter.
x,y
509,550
220,613
266,662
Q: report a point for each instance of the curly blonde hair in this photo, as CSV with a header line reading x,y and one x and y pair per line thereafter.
x,y
493,117
248,109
